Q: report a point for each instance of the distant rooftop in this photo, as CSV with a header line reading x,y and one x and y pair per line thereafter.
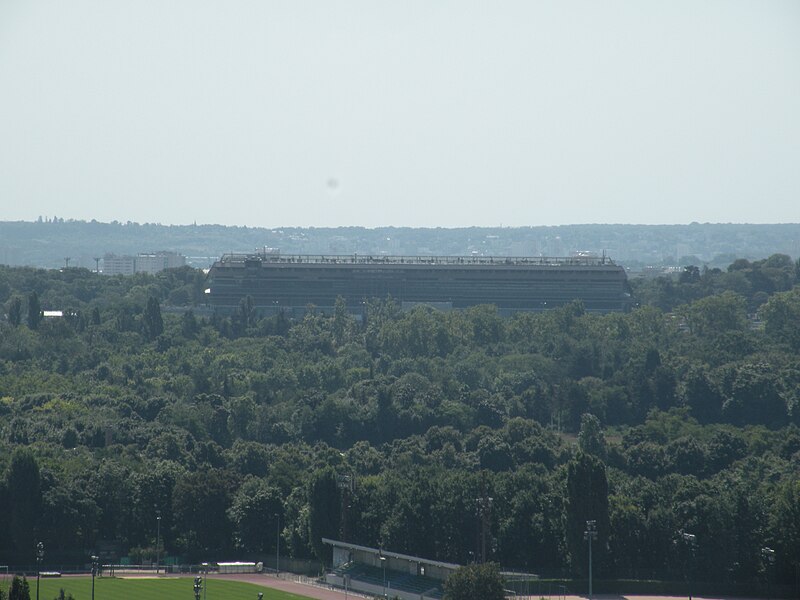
x,y
353,259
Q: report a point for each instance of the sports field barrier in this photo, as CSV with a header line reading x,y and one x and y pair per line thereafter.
x,y
311,572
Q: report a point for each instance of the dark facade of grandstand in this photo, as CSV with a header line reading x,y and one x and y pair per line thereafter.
x,y
278,282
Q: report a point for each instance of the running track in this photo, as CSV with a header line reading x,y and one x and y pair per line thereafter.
x,y
324,594
292,587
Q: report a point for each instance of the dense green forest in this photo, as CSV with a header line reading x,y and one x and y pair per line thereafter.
x,y
680,416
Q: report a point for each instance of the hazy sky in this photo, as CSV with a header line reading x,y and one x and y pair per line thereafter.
x,y
409,112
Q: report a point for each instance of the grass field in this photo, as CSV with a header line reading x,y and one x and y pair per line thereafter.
x,y
109,588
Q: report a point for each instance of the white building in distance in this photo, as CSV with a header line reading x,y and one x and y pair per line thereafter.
x,y
149,262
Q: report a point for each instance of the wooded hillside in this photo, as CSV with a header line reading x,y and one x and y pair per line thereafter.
x,y
679,416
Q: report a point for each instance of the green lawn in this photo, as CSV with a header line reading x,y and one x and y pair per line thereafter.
x,y
109,588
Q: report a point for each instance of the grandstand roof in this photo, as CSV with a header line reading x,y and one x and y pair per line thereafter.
x,y
425,561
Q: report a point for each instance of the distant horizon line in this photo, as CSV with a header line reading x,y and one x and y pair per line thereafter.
x,y
63,220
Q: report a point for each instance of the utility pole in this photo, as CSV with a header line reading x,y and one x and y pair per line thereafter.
x,y
590,535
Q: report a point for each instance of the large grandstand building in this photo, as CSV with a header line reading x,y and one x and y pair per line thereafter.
x,y
381,573
291,283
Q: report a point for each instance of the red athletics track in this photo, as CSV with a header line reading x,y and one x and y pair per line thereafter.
x,y
324,594
284,585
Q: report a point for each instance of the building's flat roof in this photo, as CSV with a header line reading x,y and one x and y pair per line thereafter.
x,y
358,259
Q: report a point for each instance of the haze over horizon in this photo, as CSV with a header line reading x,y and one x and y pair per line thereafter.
x,y
451,114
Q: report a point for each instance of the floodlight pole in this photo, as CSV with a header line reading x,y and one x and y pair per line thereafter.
x,y
94,572
768,554
278,545
590,534
690,539
484,504
158,540
39,558
383,564
205,581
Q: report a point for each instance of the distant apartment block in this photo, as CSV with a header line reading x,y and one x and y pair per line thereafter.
x,y
158,261
119,265
150,262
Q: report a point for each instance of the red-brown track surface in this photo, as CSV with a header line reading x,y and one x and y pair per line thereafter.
x,y
325,594
284,585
